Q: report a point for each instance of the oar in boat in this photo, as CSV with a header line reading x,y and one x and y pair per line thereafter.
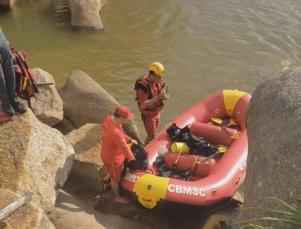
x,y
219,121
195,162
220,149
190,171
232,122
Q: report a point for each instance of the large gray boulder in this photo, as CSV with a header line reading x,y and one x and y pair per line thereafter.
x,y
88,167
274,131
85,14
34,158
48,107
28,216
85,101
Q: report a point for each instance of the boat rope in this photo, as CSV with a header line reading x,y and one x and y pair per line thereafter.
x,y
175,165
196,158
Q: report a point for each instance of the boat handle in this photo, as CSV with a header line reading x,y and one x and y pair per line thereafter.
x,y
237,181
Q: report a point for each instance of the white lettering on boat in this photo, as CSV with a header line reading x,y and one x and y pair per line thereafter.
x,y
243,163
187,190
131,177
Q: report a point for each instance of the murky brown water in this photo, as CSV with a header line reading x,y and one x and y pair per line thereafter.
x,y
205,45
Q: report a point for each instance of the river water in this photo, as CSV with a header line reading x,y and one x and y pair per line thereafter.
x,y
205,45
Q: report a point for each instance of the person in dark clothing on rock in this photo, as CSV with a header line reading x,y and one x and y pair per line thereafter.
x,y
10,102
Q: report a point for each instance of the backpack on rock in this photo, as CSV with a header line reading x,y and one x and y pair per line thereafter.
x,y
25,80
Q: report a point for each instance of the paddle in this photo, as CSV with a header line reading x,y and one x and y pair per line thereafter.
x,y
189,171
232,122
220,149
219,121
186,175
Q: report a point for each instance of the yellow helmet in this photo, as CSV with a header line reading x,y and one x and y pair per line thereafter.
x,y
157,68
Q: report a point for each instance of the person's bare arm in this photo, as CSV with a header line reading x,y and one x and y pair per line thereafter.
x,y
149,102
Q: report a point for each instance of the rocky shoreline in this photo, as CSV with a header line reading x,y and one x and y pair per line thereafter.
x,y
53,154
37,159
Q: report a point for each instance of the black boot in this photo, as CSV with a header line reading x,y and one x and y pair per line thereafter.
x,y
8,110
19,107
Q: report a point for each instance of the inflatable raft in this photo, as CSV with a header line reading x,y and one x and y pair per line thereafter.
x,y
214,179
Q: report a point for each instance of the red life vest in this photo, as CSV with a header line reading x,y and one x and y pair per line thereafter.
x,y
151,93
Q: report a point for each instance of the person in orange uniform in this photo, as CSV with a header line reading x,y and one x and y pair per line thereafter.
x,y
150,95
114,147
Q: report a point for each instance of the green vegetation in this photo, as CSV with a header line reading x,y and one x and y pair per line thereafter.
x,y
289,215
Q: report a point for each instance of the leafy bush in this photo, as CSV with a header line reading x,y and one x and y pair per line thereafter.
x,y
288,216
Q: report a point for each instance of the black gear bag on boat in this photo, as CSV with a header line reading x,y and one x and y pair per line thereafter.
x,y
197,145
174,132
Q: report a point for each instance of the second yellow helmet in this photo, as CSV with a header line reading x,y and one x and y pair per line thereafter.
x,y
157,68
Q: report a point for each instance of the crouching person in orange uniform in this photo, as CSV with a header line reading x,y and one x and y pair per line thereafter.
x,y
114,147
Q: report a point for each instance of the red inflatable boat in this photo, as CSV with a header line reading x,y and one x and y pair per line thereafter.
x,y
214,179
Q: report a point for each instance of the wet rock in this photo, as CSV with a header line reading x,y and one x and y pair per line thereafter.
x,y
85,14
34,158
48,107
274,132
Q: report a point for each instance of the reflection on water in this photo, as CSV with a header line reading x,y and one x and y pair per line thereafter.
x,y
205,46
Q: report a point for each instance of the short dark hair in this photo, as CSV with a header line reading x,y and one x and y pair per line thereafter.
x,y
116,115
152,73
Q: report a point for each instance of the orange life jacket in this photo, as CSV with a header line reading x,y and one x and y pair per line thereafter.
x,y
158,105
25,85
